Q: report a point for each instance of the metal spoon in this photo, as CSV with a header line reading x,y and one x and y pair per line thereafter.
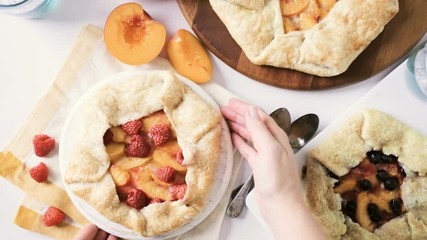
x,y
282,117
302,130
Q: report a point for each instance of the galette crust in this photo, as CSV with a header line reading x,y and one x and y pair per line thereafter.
x,y
326,50
344,149
197,126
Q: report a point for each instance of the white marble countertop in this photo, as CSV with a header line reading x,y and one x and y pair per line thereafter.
x,y
32,52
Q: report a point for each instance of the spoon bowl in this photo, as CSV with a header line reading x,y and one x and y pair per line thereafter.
x,y
302,130
282,117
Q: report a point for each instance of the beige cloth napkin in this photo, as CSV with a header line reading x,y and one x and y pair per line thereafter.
x,y
87,64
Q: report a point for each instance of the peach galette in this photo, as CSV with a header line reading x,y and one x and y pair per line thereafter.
x,y
319,37
143,151
367,180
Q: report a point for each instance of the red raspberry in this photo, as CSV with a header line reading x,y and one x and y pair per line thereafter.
x,y
108,137
39,172
52,217
132,127
165,174
179,157
160,133
137,198
137,147
178,191
156,200
43,144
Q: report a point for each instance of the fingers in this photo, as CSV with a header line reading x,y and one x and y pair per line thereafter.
x,y
92,232
101,235
245,150
87,233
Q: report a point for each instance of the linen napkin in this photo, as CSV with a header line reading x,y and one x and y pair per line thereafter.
x,y
88,63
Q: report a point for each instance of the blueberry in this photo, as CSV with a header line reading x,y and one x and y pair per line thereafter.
x,y
374,212
351,206
374,156
382,175
365,184
396,207
391,183
388,158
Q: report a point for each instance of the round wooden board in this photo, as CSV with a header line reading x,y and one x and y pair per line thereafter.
x,y
400,35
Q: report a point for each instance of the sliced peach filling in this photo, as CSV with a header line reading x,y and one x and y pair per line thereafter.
x,y
370,192
300,15
146,161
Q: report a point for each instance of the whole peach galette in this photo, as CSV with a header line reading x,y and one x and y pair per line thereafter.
x,y
367,180
319,37
143,152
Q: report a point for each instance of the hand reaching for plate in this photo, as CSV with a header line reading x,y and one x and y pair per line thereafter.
x,y
278,187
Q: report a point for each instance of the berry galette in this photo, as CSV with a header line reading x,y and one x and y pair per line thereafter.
x,y
368,179
143,152
319,37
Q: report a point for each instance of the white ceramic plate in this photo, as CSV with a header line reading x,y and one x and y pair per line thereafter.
x,y
221,180
397,94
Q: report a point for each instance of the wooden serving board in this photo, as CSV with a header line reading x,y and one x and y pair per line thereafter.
x,y
401,34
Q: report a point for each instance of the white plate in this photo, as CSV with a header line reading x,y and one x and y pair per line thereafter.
x,y
397,94
221,180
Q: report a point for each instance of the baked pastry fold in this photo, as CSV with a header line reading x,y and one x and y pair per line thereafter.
x,y
113,103
327,49
345,149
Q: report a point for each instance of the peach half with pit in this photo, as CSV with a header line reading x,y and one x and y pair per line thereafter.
x,y
132,35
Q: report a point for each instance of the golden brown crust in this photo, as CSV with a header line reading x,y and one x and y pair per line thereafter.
x,y
118,101
327,49
370,130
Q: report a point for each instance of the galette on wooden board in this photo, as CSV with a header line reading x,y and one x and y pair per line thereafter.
x,y
318,37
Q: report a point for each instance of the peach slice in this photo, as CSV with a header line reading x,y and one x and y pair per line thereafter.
x,y
132,36
293,7
189,57
362,216
150,187
167,159
155,118
118,134
120,177
127,163
346,185
307,21
115,150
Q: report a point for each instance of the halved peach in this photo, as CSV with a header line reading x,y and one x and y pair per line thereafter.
x,y
132,36
293,7
189,57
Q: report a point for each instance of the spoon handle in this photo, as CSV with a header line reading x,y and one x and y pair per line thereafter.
x,y
236,205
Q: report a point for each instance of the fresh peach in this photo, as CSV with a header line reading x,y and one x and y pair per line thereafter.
x,y
189,57
132,36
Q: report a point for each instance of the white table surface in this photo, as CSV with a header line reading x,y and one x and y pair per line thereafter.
x,y
33,51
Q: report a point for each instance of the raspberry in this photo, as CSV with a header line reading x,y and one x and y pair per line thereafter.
x,y
39,172
179,157
160,133
132,127
137,147
43,144
52,217
137,198
108,137
165,174
178,191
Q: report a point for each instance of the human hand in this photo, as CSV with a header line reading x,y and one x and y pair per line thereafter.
x,y
270,156
92,232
